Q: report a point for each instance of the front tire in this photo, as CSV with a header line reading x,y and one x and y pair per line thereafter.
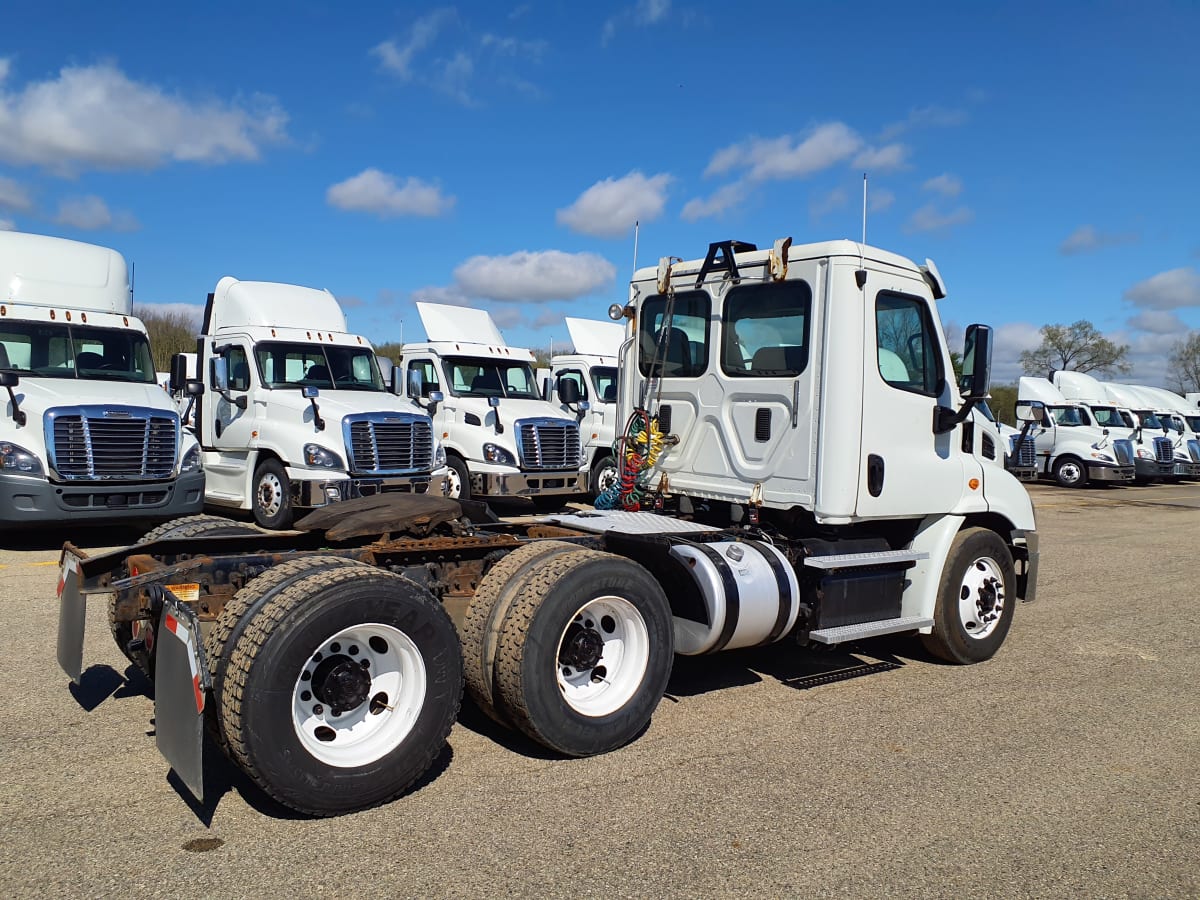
x,y
604,475
272,496
976,599
458,479
342,690
1069,472
584,654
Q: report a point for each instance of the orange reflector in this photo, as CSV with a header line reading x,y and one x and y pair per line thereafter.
x,y
973,484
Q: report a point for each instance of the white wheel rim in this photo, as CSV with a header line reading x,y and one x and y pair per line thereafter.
x,y
375,725
606,478
453,484
602,657
1070,472
270,494
981,598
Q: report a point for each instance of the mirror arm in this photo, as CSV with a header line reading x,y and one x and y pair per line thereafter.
x,y
317,420
18,414
946,419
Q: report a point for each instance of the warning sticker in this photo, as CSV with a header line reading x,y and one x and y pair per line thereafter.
x,y
187,593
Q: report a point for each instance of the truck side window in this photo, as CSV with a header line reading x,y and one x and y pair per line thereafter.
x,y
429,375
239,369
909,358
678,349
576,376
765,330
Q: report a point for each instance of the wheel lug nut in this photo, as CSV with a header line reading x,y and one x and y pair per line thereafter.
x,y
306,696
318,709
353,650
335,647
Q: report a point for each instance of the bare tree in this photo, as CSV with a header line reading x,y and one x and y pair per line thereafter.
x,y
1079,347
1185,363
170,333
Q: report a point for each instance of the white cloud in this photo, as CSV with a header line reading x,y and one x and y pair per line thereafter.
x,y
827,203
1010,340
930,218
397,56
610,207
1158,321
883,159
1167,290
451,294
377,192
789,156
926,116
8,225
13,196
721,200
91,213
945,184
641,14
1086,239
880,199
534,275
97,117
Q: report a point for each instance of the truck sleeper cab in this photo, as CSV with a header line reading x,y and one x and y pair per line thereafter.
x,y
86,434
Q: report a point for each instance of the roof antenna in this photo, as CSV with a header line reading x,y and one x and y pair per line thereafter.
x,y
635,243
132,277
860,277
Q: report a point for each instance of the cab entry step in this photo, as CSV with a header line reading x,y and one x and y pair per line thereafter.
x,y
873,558
843,633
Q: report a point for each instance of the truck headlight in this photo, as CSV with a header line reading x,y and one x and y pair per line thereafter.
x,y
1143,453
191,461
1103,456
16,460
439,455
317,456
494,453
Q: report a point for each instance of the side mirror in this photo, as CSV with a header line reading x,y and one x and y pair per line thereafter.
x,y
220,374
9,379
1029,410
584,406
436,397
976,379
396,381
568,391
179,373
309,392
494,402
192,387
416,383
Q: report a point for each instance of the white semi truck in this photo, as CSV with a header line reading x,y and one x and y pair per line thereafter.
x,y
1070,449
813,486
1168,410
593,367
297,414
1100,409
1151,439
87,435
501,438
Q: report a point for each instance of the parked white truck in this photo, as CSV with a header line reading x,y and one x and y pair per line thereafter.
x,y
297,414
87,434
1072,450
593,367
1150,437
813,486
1169,409
501,438
1100,409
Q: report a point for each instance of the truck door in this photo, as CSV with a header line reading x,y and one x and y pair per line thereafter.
x,y
228,428
906,469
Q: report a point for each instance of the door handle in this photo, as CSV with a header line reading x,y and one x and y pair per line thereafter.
x,y
874,475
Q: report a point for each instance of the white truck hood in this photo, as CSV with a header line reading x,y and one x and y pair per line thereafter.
x,y
36,395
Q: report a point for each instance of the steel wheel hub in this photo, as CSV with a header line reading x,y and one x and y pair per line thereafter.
x,y
981,598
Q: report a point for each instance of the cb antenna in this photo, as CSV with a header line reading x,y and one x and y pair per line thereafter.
x,y
860,277
635,243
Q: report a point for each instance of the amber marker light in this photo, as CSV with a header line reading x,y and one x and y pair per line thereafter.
x,y
973,484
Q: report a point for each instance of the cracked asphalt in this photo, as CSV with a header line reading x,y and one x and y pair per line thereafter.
x,y
1064,767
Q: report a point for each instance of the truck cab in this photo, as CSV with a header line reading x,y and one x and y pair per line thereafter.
x,y
1168,407
501,438
593,367
297,413
1071,448
87,433
1155,451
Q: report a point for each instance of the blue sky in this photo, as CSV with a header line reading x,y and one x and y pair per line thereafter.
x,y
1044,155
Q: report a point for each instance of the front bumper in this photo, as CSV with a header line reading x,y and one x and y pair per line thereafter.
x,y
1110,473
35,501
522,484
1150,468
1023,473
1187,469
315,494
1027,556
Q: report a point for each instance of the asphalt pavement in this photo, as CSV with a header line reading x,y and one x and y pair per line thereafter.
x,y
1064,767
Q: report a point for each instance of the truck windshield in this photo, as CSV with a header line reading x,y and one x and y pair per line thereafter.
x,y
64,350
483,377
1066,415
604,379
1148,419
324,366
1107,417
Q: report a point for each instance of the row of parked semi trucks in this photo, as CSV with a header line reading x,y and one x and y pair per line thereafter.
x,y
280,409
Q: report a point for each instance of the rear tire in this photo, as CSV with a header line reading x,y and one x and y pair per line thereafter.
x,y
312,725
272,496
976,599
481,624
584,654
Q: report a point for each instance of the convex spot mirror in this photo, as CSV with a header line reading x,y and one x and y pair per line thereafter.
x,y
1029,410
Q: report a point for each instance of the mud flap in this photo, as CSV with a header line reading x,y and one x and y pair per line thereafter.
x,y
72,612
181,685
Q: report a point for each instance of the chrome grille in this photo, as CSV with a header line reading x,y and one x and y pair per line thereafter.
x,y
1194,450
1023,452
1123,451
102,443
389,443
548,444
1164,451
